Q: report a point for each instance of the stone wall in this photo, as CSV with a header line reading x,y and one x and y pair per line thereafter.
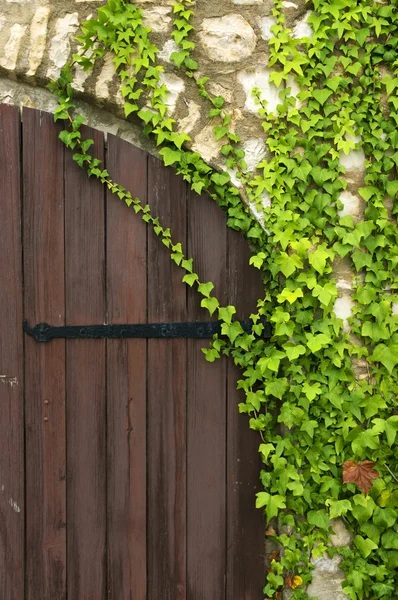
x,y
37,37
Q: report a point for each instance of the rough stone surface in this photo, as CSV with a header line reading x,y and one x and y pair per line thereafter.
x,y
326,580
258,78
265,24
227,39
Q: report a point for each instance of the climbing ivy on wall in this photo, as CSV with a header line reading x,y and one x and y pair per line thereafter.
x,y
323,398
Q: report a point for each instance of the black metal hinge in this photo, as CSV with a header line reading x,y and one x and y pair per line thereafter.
x,y
43,332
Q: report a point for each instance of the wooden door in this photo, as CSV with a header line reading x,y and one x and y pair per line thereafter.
x,y
126,471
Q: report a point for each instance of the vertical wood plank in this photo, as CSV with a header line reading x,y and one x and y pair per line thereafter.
x,y
85,380
11,362
245,538
206,414
43,216
166,396
126,378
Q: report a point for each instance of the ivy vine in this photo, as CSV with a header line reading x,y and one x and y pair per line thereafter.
x,y
324,399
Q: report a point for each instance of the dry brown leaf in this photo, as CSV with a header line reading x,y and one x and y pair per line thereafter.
x,y
362,474
270,531
275,555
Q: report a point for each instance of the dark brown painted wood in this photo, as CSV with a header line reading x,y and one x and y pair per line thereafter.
x,y
85,380
166,397
206,414
245,537
159,498
43,233
126,378
11,362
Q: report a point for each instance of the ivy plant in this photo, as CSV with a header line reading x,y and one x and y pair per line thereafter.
x,y
322,396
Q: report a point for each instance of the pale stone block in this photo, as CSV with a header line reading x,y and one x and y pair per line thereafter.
x,y
105,77
2,21
340,536
175,86
206,144
167,50
354,160
186,124
227,39
344,284
11,49
60,47
326,579
250,2
303,29
259,78
343,310
254,152
287,4
219,90
38,36
157,18
352,204
265,24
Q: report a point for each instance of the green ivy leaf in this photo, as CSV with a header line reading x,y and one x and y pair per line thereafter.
x,y
386,355
319,518
364,545
211,304
273,503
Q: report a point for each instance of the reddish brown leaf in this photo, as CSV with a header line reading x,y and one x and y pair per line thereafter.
x,y
275,555
362,474
270,531
288,581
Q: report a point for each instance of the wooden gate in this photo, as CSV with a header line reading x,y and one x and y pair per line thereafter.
x,y
126,472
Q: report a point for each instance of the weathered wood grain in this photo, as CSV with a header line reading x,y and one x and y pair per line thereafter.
x,y
44,300
12,510
126,378
85,380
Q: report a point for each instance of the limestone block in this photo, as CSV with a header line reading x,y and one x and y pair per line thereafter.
x,y
60,47
11,49
355,159
303,29
227,39
167,50
38,36
352,204
157,18
343,310
326,579
219,90
265,24
188,123
254,152
105,77
247,2
175,87
340,536
287,4
206,144
2,21
259,78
